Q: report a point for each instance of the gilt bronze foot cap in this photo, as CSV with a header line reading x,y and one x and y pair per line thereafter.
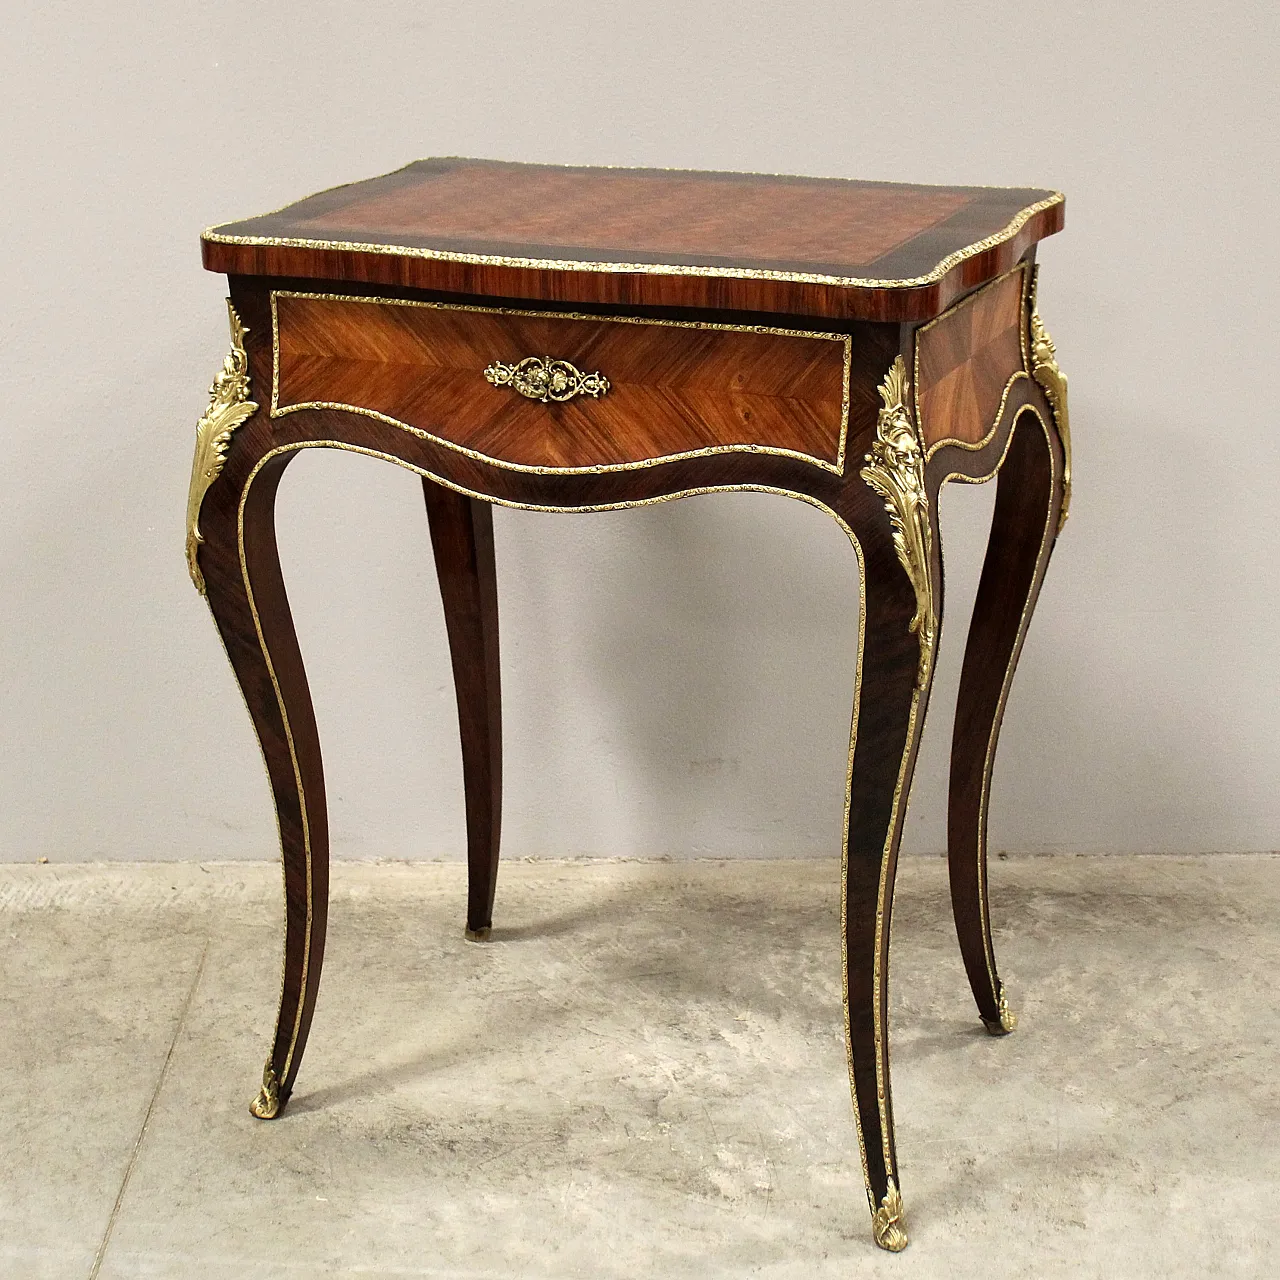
x,y
1007,1020
888,1225
266,1106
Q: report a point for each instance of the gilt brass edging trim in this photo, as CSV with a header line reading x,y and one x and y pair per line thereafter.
x,y
1008,1020
1011,229
836,468
1014,377
897,815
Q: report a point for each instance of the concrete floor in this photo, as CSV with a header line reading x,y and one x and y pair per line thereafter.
x,y
642,1075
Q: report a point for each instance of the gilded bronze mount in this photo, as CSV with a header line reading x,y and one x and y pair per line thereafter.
x,y
541,378
888,1226
266,1106
1007,1019
895,470
229,407
1046,371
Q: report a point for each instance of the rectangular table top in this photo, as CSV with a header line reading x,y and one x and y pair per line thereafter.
x,y
821,246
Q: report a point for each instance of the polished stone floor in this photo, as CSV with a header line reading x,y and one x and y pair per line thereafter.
x,y
642,1074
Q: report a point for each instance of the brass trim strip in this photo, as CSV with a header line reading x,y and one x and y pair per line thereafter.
x,y
215,236
837,468
879,987
881,1048
1008,386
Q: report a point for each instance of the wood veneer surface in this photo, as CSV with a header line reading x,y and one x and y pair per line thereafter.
x,y
965,358
660,237
674,389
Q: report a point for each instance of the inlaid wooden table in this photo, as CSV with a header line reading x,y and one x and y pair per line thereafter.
x,y
564,339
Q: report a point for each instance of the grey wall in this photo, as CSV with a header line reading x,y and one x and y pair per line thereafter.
x,y
678,678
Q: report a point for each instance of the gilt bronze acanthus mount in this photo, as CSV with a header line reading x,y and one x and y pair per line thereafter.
x,y
895,470
1046,371
229,407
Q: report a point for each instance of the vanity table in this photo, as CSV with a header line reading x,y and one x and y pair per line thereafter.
x,y
576,340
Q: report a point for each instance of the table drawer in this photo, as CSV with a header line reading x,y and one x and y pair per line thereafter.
x,y
665,389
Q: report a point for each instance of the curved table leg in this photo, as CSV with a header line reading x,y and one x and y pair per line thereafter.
x,y
462,540
1029,497
893,691
247,596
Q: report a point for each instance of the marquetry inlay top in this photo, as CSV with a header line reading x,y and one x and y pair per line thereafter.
x,y
775,237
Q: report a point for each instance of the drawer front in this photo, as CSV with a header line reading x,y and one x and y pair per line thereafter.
x,y
966,360
666,389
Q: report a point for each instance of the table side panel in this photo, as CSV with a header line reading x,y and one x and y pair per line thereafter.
x,y
675,388
965,359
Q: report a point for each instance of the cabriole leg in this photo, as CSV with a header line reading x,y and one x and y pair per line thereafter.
x,y
1029,498
890,715
899,630
462,540
241,572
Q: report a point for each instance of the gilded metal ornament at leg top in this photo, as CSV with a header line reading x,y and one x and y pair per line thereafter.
x,y
229,407
1045,370
895,471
